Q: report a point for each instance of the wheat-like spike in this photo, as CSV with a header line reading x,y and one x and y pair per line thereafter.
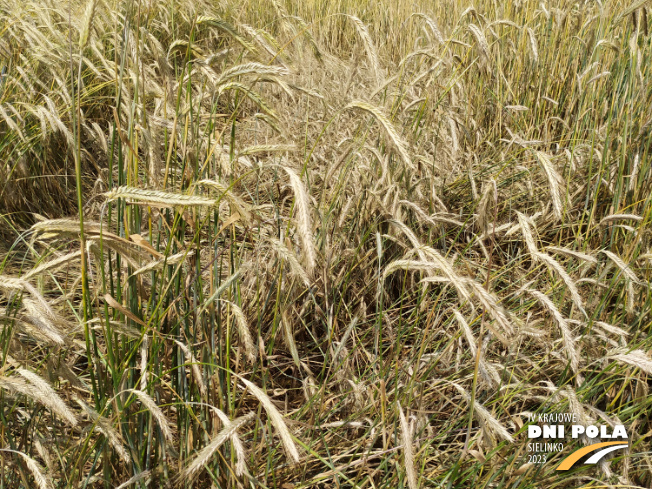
x,y
63,226
573,253
509,227
445,266
243,330
38,317
52,264
144,353
414,103
276,418
555,182
269,119
438,263
11,283
587,70
158,197
632,8
194,365
408,450
42,482
533,45
119,327
483,45
87,24
304,221
489,194
305,29
53,115
516,108
622,265
229,29
626,228
567,337
267,148
253,96
223,286
259,35
572,288
289,339
203,457
287,254
411,265
416,244
238,447
485,368
636,358
470,10
157,264
600,75
645,256
433,27
611,329
422,214
156,412
592,281
43,452
251,69
621,217
490,304
307,91
237,204
182,45
345,338
630,297
484,416
467,331
46,395
369,47
392,133
105,427
338,424
574,404
136,478
11,123
35,329
527,234
445,219
505,22
633,177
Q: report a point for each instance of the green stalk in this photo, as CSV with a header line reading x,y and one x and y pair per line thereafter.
x,y
76,115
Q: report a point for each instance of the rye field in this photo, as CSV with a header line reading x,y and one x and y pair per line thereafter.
x,y
323,244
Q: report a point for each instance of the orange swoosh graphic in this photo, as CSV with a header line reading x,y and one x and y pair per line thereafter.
x,y
568,462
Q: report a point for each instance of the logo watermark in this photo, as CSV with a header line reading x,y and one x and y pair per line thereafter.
x,y
548,433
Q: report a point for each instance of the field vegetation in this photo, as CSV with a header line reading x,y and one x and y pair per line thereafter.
x,y
322,244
